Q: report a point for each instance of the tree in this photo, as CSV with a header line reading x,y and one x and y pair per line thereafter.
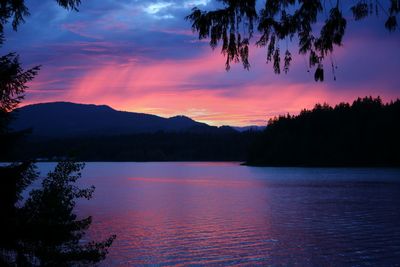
x,y
285,20
44,230
364,133
51,232
13,181
13,79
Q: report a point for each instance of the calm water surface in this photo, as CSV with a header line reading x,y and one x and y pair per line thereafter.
x,y
225,214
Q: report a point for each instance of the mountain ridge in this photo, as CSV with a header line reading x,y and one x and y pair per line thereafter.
x,y
65,119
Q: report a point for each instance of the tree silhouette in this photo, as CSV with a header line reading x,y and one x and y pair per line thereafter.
x,y
42,231
283,21
13,181
51,232
364,133
13,81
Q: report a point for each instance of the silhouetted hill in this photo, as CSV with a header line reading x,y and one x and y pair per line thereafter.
x,y
63,119
100,133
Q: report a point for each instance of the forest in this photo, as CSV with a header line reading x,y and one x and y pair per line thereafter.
x,y
364,133
221,145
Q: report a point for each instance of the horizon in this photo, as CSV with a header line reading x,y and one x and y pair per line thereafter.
x,y
221,125
143,57
104,105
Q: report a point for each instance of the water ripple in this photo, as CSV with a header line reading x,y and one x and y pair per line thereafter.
x,y
230,215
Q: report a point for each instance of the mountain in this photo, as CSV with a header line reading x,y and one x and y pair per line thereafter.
x,y
64,119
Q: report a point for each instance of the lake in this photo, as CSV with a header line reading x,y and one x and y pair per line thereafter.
x,y
183,214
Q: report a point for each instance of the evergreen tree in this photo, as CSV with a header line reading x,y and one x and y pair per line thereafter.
x,y
318,26
364,133
43,230
51,232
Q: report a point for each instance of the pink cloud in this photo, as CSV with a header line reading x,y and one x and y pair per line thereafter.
x,y
174,87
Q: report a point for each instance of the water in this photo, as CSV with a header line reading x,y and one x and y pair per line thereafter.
x,y
225,214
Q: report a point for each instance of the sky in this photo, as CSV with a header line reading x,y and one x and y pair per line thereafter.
x,y
142,56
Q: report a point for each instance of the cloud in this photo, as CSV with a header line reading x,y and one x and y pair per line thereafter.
x,y
155,8
198,87
196,3
142,56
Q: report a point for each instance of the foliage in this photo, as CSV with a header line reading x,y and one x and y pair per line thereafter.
x,y
13,180
160,146
42,231
16,10
52,233
13,81
284,20
364,133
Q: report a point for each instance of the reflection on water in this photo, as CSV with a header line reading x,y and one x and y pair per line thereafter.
x,y
225,214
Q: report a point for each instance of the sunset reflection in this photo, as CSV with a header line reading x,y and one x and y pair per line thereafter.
x,y
232,215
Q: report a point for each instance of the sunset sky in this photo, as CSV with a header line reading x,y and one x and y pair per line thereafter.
x,y
141,56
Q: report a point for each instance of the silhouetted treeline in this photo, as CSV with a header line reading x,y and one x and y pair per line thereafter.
x,y
365,133
159,146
